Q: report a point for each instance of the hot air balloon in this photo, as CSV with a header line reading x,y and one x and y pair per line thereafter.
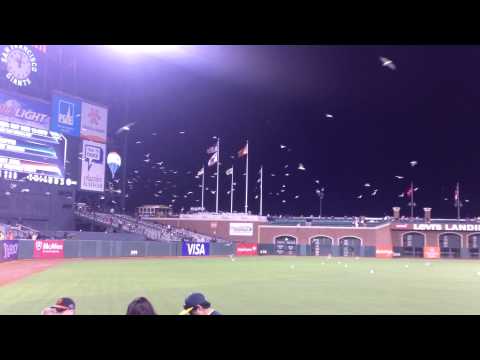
x,y
114,161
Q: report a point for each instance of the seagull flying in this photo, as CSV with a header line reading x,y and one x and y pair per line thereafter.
x,y
388,63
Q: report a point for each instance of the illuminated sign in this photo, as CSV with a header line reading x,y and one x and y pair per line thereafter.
x,y
66,113
20,62
93,166
438,227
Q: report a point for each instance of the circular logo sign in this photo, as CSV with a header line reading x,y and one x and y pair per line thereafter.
x,y
20,63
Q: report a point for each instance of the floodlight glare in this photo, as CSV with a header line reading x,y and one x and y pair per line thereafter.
x,y
149,49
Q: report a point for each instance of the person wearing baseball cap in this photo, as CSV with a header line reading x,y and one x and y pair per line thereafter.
x,y
197,304
63,306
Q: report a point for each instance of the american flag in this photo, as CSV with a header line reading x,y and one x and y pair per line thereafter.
x,y
456,196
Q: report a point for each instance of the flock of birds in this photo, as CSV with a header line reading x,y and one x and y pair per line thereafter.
x,y
162,182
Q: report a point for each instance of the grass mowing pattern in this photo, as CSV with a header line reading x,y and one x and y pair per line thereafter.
x,y
256,285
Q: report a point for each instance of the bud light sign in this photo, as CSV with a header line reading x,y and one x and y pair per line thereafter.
x,y
195,249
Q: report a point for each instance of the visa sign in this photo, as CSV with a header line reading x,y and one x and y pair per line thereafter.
x,y
195,249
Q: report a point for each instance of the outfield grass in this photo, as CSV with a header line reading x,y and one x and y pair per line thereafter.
x,y
260,285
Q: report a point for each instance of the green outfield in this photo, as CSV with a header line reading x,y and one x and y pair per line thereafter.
x,y
260,285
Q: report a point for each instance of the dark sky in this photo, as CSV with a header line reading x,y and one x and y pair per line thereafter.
x,y
426,110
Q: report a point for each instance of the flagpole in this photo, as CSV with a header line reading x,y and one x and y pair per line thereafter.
x,y
458,201
218,172
261,190
411,200
203,186
246,183
231,194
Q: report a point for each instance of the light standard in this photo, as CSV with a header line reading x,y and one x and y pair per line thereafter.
x,y
321,195
126,129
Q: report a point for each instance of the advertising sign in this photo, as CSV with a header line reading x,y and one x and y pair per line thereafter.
x,y
50,249
195,249
431,252
25,149
384,251
93,166
23,110
94,123
241,229
246,249
10,250
66,115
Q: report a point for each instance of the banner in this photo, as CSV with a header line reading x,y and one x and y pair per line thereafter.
x,y
44,249
384,251
93,166
66,115
431,252
241,229
23,110
195,249
94,123
10,250
246,249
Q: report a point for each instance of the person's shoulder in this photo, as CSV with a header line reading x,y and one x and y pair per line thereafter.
x,y
215,312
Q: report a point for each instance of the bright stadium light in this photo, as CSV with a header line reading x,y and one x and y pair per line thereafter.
x,y
150,49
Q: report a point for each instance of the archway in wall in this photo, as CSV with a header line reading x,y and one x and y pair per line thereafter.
x,y
321,245
450,245
473,245
350,246
285,245
413,244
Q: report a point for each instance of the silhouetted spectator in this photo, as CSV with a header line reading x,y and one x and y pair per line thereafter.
x,y
197,304
63,306
140,306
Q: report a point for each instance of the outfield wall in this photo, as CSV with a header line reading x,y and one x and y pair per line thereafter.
x,y
105,248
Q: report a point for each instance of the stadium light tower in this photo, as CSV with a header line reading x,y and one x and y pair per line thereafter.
x,y
126,130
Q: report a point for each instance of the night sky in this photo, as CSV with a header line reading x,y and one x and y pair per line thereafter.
x,y
426,110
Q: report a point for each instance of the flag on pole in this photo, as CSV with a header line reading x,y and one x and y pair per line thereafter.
x,y
409,192
243,151
213,160
260,175
212,149
229,171
201,171
456,196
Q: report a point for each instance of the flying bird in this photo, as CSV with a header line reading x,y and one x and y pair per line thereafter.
x,y
283,146
374,192
329,116
124,128
367,185
413,163
359,196
301,167
388,63
399,177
